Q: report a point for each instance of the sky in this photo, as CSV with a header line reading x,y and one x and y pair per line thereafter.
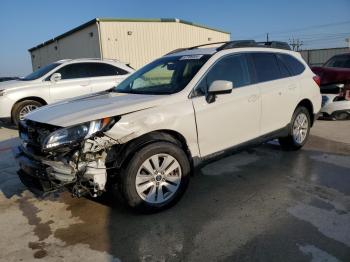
x,y
26,23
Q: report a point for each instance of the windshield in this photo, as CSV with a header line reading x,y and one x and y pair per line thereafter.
x,y
167,75
40,72
342,61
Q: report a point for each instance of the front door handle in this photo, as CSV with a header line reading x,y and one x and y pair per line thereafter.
x,y
253,98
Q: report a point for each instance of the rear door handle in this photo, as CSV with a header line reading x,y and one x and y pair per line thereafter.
x,y
292,87
253,98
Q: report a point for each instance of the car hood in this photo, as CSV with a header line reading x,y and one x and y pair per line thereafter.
x,y
14,84
93,107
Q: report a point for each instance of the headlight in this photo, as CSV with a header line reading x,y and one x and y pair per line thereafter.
x,y
2,92
74,134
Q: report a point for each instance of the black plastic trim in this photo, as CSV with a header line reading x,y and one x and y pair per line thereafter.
x,y
283,132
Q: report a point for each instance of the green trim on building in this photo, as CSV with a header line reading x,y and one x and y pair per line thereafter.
x,y
169,20
96,20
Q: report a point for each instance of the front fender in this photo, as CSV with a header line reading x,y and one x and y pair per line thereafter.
x,y
178,118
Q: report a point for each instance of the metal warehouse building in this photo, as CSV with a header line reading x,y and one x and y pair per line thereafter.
x,y
132,41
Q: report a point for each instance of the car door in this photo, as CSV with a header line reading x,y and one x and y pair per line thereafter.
x,y
279,93
232,118
74,82
104,76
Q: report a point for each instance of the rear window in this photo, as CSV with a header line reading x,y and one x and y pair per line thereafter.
x,y
266,67
341,61
293,64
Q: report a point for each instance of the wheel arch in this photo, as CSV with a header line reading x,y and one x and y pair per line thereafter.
x,y
121,153
34,98
309,106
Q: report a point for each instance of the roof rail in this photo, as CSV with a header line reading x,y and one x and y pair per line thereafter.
x,y
215,43
176,51
90,59
252,43
238,44
276,44
193,47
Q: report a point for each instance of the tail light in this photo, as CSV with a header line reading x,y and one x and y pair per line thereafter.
x,y
317,79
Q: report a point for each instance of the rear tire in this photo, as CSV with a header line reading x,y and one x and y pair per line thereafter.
x,y
299,130
22,108
155,178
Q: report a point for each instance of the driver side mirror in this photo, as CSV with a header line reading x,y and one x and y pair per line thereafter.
x,y
218,87
55,77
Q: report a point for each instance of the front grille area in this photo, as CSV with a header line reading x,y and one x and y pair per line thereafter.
x,y
33,133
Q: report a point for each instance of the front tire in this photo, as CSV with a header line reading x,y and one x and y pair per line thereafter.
x,y
155,178
22,108
299,130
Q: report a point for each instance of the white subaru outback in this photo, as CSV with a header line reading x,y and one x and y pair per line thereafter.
x,y
143,138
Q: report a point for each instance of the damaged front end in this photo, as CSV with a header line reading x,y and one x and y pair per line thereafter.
x,y
53,158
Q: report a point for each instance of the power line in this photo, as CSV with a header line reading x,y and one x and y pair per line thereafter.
x,y
305,28
318,38
314,34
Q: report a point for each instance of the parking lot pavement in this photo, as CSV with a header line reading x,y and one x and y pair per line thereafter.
x,y
260,205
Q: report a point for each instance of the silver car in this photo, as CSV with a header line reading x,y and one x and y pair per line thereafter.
x,y
58,81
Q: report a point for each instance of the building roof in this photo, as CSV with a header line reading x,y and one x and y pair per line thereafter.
x,y
96,20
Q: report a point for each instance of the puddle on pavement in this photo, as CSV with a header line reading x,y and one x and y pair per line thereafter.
x,y
230,201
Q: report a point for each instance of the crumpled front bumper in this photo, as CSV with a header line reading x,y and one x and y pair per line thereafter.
x,y
33,173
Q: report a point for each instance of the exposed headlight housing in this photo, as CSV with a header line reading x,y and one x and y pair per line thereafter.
x,y
76,134
2,92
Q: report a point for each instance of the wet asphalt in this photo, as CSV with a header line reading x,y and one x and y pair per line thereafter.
x,y
263,204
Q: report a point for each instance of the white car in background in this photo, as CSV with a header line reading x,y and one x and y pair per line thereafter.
x,y
58,81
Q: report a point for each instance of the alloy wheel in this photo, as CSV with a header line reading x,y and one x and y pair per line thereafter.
x,y
25,110
300,128
158,178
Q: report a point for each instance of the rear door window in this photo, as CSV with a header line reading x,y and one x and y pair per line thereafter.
x,y
266,67
342,61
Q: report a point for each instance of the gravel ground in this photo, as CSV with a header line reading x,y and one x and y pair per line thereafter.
x,y
259,205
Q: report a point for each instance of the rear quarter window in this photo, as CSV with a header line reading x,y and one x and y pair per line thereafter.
x,y
102,69
293,64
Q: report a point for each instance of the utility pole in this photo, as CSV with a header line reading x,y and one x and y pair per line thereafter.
x,y
267,37
348,41
295,44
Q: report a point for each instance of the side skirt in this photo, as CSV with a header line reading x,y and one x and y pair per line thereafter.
x,y
200,162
